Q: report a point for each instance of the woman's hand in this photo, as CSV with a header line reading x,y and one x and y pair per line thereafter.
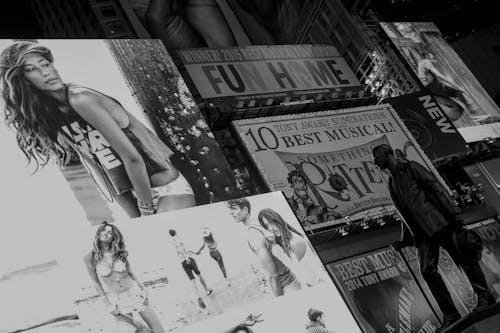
x,y
252,319
146,209
115,312
270,236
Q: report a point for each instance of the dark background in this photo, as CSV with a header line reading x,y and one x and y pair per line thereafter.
x,y
455,18
17,20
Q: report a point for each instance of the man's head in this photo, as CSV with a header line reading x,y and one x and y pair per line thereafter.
x,y
382,156
315,316
298,182
172,232
240,209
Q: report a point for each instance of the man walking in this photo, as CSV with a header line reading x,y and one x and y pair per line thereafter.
x,y
189,265
431,220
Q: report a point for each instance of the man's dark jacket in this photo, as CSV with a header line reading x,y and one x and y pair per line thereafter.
x,y
422,200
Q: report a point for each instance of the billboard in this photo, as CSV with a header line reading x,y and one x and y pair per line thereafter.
x,y
489,230
261,72
208,268
220,23
428,124
382,293
447,78
117,119
323,161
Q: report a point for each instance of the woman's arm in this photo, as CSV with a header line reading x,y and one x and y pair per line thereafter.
x,y
202,247
250,320
92,108
444,78
259,245
95,279
133,276
139,282
163,22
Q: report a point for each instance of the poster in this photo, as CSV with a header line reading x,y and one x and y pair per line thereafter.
x,y
263,72
323,161
206,267
383,294
271,22
489,230
447,78
220,23
35,233
152,146
462,294
428,124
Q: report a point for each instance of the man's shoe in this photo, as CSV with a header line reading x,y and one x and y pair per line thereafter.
x,y
448,320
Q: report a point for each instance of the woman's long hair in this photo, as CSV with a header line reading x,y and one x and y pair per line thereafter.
x,y
32,114
117,246
286,230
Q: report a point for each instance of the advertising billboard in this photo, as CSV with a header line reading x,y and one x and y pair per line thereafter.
x,y
223,267
428,124
447,78
262,72
489,230
117,119
323,161
220,23
383,294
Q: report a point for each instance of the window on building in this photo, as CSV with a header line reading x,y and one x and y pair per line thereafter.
x,y
328,12
324,20
108,11
334,39
353,50
115,27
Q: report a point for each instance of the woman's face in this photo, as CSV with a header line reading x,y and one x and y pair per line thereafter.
x,y
41,73
106,235
271,227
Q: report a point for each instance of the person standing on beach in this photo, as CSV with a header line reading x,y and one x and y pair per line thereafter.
x,y
281,278
189,265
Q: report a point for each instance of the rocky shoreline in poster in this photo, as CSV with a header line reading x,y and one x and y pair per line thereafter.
x,y
323,161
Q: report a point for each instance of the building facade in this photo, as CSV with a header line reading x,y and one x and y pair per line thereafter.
x,y
87,19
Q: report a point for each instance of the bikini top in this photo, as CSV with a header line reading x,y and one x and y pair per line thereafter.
x,y
104,270
210,241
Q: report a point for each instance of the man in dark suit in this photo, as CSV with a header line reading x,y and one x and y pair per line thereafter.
x,y
431,219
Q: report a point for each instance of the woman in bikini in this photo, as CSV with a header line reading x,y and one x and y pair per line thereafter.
x,y
210,243
53,119
291,247
109,268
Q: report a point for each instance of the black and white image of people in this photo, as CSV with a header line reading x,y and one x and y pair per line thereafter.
x,y
218,24
68,104
156,275
444,75
108,267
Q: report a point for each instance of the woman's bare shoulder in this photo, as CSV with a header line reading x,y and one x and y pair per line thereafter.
x,y
88,257
82,96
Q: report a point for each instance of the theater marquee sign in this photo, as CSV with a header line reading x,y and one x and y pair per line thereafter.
x,y
268,71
